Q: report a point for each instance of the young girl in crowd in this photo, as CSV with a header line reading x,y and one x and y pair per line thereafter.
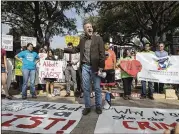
x,y
126,78
50,81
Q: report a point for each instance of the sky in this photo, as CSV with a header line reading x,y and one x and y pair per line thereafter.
x,y
57,41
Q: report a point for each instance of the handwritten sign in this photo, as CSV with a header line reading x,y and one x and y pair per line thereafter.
x,y
40,117
25,40
132,67
18,68
50,69
7,42
73,39
121,119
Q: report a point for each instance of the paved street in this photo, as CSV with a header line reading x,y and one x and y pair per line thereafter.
x,y
87,123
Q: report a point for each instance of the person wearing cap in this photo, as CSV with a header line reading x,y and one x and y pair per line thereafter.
x,y
72,64
143,83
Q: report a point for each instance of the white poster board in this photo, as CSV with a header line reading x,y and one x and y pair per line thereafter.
x,y
40,117
151,69
38,80
7,42
50,69
134,120
25,40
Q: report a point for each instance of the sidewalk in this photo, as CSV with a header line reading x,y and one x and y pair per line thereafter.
x,y
87,123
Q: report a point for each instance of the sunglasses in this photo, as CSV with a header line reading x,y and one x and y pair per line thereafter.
x,y
160,46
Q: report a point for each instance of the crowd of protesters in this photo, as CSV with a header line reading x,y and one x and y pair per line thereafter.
x,y
85,68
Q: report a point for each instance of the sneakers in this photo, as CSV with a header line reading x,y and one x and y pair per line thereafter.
x,y
125,97
24,97
143,97
67,95
151,97
53,95
98,110
130,97
34,96
86,111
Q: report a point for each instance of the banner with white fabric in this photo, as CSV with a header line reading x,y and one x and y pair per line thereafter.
x,y
162,70
125,120
40,117
7,42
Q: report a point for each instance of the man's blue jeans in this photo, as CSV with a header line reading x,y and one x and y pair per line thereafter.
x,y
87,76
144,90
26,75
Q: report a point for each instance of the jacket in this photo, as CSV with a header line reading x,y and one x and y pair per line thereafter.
x,y
97,52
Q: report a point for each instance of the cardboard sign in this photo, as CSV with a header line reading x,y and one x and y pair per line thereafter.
x,y
25,40
40,117
132,120
73,39
50,69
132,67
7,42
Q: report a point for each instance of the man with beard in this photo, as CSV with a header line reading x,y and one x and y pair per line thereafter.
x,y
92,61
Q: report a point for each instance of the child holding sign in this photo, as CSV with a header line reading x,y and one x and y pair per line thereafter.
x,y
50,81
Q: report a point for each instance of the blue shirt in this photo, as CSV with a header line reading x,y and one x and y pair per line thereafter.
x,y
28,59
162,54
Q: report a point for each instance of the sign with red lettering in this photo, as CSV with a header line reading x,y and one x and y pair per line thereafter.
x,y
40,117
50,69
132,67
121,119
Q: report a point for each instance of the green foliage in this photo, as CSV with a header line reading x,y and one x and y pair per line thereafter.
x,y
41,19
123,20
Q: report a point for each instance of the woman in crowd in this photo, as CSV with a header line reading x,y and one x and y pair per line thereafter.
x,y
50,81
4,73
126,78
29,58
42,57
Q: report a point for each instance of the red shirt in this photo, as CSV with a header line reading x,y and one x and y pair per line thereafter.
x,y
3,53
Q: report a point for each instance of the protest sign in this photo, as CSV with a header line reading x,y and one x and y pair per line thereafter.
x,y
7,42
25,40
73,39
18,68
50,69
121,119
132,67
153,70
38,80
40,117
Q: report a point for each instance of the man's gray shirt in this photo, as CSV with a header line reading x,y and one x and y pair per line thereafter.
x,y
86,56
